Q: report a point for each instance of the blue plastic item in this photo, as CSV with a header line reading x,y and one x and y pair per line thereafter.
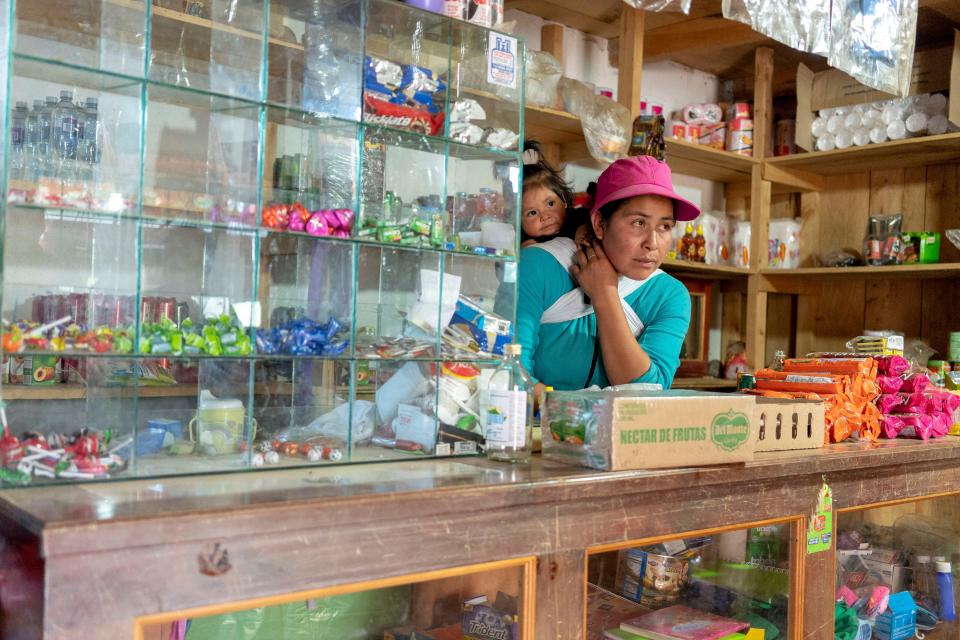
x,y
945,586
899,622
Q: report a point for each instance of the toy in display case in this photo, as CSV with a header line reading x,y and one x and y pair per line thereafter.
x,y
252,235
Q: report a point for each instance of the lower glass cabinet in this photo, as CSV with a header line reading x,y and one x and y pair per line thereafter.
x,y
897,567
491,600
730,584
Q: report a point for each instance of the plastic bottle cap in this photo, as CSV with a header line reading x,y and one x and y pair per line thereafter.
x,y
943,567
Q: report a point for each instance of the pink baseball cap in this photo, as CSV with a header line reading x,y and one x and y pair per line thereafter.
x,y
641,176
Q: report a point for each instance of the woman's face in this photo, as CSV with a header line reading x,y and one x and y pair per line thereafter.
x,y
543,212
637,236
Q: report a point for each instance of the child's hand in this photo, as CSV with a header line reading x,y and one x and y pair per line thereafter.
x,y
583,235
527,243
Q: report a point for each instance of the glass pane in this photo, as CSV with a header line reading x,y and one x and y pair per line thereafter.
x,y
429,609
75,272
77,405
402,188
730,581
405,69
315,63
482,190
486,83
311,162
215,46
398,303
198,290
99,34
484,292
76,141
201,158
393,410
306,293
302,412
192,415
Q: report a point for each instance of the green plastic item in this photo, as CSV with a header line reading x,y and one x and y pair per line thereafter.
x,y
845,623
354,616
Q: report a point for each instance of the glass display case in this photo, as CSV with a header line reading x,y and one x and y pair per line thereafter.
x,y
251,234
724,585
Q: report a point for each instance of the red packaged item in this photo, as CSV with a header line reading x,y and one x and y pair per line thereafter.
x,y
911,403
892,365
888,402
889,384
767,379
398,116
917,426
891,426
275,216
917,383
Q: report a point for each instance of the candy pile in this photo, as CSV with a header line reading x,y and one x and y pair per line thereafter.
x,y
57,193
845,382
394,348
32,336
314,450
221,336
81,456
421,229
402,96
295,217
911,408
304,337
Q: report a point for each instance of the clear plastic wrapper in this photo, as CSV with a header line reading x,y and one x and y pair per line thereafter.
x,y
576,96
661,5
882,244
543,75
874,41
800,24
606,127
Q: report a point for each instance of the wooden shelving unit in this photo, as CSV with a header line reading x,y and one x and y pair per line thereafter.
x,y
701,270
912,271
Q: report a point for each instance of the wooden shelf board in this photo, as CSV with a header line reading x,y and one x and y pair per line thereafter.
x,y
927,271
551,126
898,154
699,269
705,162
707,382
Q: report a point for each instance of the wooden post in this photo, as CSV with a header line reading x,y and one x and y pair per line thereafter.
x,y
763,103
551,41
756,322
561,595
631,59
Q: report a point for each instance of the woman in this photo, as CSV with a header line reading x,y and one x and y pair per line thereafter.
x,y
605,314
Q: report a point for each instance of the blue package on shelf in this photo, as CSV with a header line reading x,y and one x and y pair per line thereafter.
x,y
900,619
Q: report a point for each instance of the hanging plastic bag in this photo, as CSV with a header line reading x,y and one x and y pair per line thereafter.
x,y
661,5
800,24
606,127
543,74
873,41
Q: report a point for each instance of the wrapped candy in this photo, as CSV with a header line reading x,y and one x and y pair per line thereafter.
x,y
892,365
911,403
275,216
889,384
916,383
891,426
298,217
303,336
917,426
317,225
888,402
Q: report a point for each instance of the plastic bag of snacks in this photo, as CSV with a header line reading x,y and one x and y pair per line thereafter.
x,y
543,75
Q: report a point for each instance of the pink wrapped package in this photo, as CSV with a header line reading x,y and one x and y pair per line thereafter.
x,y
912,403
888,402
892,365
933,404
941,424
889,384
891,426
951,402
916,383
916,426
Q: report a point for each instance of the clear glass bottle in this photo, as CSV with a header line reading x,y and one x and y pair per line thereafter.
x,y
508,424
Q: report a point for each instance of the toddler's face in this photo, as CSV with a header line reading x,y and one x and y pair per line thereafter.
x,y
543,212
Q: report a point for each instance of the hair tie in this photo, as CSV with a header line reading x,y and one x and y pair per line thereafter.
x,y
531,156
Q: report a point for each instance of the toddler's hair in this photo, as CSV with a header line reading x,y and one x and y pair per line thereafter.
x,y
536,172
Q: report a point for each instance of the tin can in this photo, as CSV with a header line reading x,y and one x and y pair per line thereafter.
x,y
746,381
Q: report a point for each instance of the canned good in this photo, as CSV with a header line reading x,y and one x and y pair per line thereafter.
x,y
746,381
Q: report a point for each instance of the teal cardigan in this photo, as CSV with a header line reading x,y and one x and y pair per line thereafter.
x,y
559,354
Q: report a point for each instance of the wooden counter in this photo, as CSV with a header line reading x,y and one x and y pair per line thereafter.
x,y
109,552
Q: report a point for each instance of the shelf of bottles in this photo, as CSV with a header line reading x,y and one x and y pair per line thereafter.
x,y
251,234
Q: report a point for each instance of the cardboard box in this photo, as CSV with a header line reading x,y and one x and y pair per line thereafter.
x,y
921,247
933,70
788,425
617,430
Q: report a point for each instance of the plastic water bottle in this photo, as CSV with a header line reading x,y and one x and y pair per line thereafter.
x,y
508,427
44,157
948,610
66,126
31,139
89,152
18,126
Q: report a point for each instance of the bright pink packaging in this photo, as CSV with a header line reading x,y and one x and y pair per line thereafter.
x,y
891,426
888,402
917,426
917,383
889,384
951,402
941,424
892,365
933,404
912,403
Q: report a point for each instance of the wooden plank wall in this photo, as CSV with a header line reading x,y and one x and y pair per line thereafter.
x,y
929,198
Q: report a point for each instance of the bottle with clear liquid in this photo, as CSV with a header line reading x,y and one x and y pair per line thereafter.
x,y
31,140
65,130
18,125
508,424
88,153
44,156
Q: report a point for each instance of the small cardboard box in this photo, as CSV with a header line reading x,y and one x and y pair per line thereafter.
x,y
933,70
788,425
617,430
